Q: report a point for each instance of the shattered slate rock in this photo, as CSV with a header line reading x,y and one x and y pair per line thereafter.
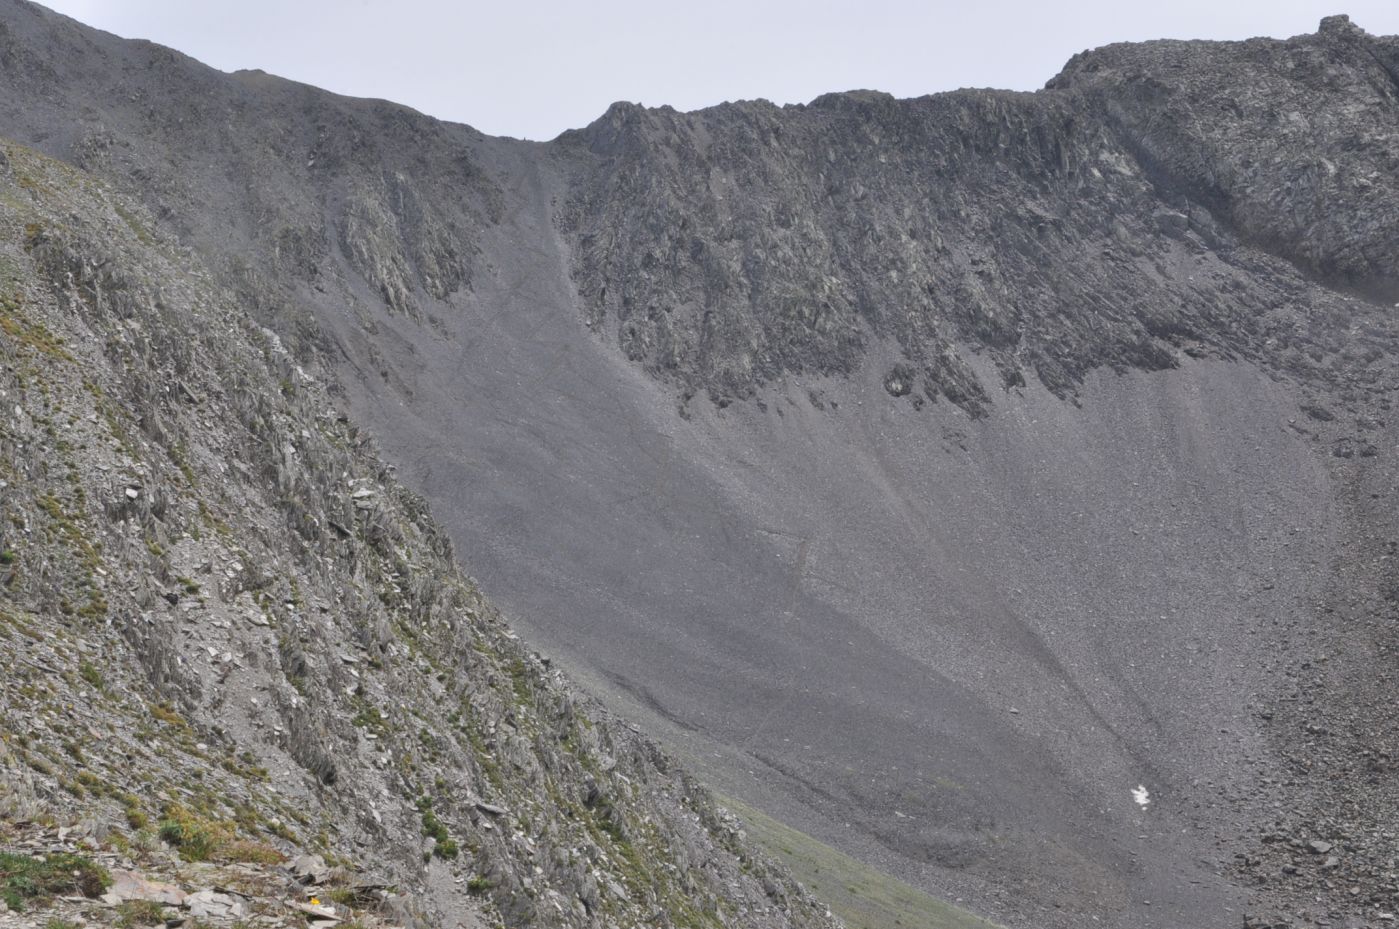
x,y
209,904
128,885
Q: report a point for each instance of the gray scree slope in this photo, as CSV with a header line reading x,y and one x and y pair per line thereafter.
x,y
227,632
931,472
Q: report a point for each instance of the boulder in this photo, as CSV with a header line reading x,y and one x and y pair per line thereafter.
x,y
128,885
309,869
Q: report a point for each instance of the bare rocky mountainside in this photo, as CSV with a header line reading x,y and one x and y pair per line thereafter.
x,y
232,638
990,495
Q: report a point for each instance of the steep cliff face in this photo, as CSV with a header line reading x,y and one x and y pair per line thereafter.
x,y
1290,143
933,474
227,627
1128,212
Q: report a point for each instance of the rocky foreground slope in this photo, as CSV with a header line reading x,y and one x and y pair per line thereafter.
x,y
231,639
997,486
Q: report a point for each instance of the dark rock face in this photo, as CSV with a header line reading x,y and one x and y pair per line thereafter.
x,y
949,468
734,245
1290,143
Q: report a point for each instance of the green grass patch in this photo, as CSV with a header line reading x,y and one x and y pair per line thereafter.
x,y
519,680
197,838
132,914
860,895
25,879
89,673
139,228
445,846
34,336
194,838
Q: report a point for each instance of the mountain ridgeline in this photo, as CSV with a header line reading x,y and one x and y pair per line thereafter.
x,y
996,488
734,245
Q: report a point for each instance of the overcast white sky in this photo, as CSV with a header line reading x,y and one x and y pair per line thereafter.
x,y
533,68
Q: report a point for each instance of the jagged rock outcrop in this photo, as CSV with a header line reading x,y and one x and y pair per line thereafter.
x,y
1050,231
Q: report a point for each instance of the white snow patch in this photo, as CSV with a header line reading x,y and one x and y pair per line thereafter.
x,y
1141,795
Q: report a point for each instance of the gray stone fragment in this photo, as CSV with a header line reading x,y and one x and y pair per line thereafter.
x,y
208,904
309,869
128,885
